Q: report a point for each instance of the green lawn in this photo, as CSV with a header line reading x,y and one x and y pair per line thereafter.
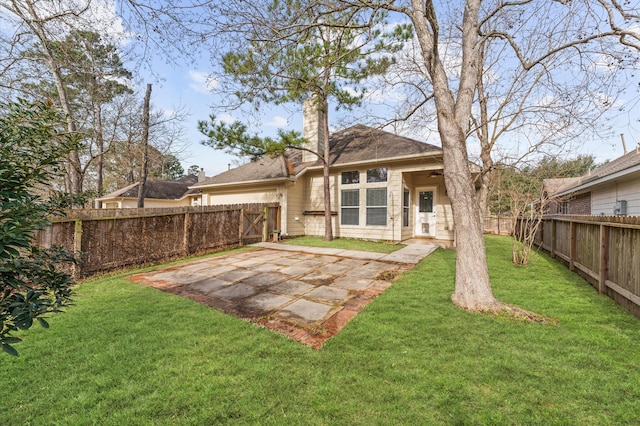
x,y
128,354
346,244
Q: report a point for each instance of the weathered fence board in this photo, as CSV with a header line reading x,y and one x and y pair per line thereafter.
x,y
605,250
498,225
138,236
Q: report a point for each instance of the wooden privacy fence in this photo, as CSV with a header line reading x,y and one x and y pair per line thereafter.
x,y
499,225
603,249
138,236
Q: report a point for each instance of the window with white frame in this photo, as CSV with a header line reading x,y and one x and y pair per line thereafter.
x,y
350,177
563,207
377,175
377,206
406,206
350,207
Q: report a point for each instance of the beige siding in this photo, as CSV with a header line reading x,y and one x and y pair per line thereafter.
x,y
603,199
307,195
314,201
399,176
292,208
266,195
444,214
129,203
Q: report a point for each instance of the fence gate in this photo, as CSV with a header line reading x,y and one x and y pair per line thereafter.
x,y
252,225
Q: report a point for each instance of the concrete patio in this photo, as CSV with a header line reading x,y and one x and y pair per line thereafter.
x,y
306,293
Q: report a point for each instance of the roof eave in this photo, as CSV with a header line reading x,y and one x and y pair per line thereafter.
x,y
599,181
244,182
380,160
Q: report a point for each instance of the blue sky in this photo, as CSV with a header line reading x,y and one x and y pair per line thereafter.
x,y
189,88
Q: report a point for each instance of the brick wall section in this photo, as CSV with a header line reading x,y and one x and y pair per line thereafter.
x,y
581,204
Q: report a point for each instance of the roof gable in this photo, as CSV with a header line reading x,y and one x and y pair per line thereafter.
x,y
355,144
362,143
265,168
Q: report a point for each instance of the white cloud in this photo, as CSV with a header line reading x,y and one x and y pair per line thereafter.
x,y
98,15
278,122
226,118
202,82
104,19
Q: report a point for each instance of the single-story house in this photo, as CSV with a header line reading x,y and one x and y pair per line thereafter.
x,y
611,189
383,186
158,193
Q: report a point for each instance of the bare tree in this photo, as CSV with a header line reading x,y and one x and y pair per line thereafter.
x,y
461,30
43,22
145,146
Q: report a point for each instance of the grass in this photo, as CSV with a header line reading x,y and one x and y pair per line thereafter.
x,y
346,244
128,354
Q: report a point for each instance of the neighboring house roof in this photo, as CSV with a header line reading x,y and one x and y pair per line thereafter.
x,y
555,186
156,189
628,163
267,168
355,144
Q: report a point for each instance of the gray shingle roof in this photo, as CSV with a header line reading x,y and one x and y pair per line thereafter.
x,y
557,185
262,169
628,160
157,189
362,143
354,144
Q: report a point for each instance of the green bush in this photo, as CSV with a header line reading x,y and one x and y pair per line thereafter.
x,y
33,146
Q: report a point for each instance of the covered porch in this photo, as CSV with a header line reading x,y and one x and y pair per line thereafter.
x,y
426,209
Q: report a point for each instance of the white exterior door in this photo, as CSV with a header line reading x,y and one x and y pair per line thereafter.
x,y
425,225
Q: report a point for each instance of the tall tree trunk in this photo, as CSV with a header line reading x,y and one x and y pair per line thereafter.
x,y
472,286
33,20
482,132
145,147
328,228
97,112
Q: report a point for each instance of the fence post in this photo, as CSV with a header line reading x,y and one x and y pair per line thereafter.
x,y
604,257
278,224
572,244
241,227
554,235
187,231
265,224
77,246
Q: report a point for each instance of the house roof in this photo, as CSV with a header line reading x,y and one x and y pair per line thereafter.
x,y
352,145
628,160
555,186
156,189
267,168
628,163
361,143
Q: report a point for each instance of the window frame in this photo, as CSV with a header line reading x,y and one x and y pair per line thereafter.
x,y
372,208
351,208
355,177
406,207
381,175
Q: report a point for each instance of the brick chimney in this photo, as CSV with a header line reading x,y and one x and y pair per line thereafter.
x,y
201,176
312,130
